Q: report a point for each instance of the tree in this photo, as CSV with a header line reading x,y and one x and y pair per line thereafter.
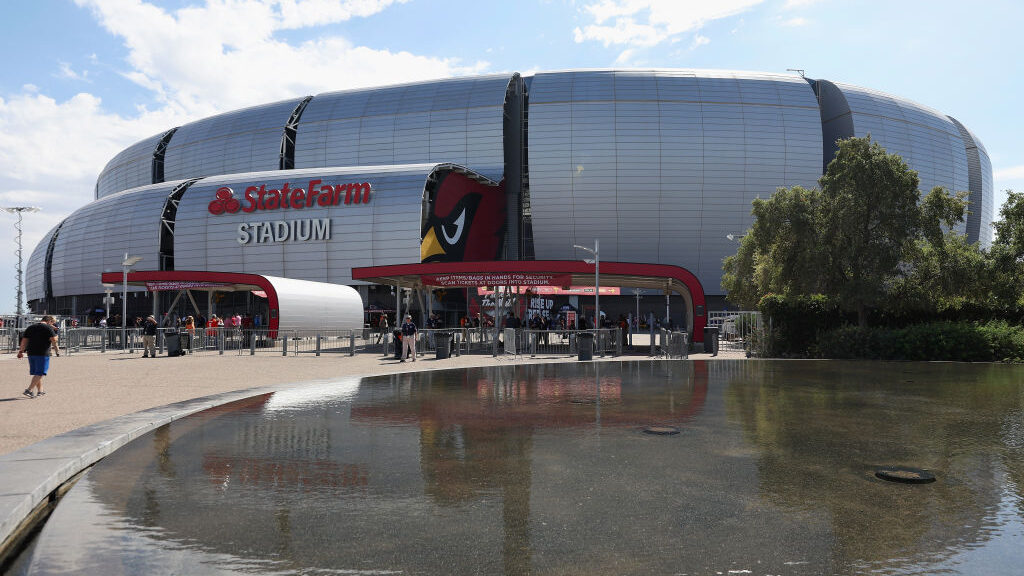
x,y
941,271
857,240
777,254
1006,256
868,220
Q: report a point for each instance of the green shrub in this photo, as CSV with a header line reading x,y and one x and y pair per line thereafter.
x,y
994,341
796,322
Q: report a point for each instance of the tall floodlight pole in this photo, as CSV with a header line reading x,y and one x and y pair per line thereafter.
x,y
19,210
597,279
127,263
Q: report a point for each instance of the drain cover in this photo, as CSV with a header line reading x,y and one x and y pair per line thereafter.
x,y
661,430
905,475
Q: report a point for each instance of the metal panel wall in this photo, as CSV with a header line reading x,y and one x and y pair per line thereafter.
x,y
988,207
457,120
385,231
926,140
35,268
242,141
95,238
979,170
662,164
132,167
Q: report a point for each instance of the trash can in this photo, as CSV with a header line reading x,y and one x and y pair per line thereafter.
x,y
173,343
397,334
585,345
443,345
711,340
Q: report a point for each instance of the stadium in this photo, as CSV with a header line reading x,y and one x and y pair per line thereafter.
x,y
481,176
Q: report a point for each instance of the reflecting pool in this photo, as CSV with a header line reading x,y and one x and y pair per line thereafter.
x,y
546,469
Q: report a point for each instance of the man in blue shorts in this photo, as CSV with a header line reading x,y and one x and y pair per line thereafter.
x,y
37,340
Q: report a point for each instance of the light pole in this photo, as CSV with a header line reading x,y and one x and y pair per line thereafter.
x,y
19,210
597,279
127,263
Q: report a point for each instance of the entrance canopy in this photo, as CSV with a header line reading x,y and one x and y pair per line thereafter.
x,y
295,305
546,272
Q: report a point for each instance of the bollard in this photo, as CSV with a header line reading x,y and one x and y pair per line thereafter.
x,y
220,343
533,345
385,342
252,344
103,342
352,343
284,345
317,344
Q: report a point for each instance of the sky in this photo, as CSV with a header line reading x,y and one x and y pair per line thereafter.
x,y
80,80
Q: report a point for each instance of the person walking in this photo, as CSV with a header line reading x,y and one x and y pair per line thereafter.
x,y
383,327
408,338
149,337
37,340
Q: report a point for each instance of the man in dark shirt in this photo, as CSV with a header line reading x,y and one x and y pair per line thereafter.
x,y
149,337
37,340
408,338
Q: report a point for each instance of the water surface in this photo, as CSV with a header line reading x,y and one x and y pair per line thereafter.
x,y
545,469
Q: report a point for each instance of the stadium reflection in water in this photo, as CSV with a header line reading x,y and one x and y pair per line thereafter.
x,y
544,469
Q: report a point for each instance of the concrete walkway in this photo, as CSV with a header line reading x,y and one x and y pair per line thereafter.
x,y
96,403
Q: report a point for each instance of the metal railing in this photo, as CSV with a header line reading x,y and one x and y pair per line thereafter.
x,y
228,340
738,330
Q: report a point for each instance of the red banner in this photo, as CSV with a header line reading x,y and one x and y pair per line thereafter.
x,y
497,279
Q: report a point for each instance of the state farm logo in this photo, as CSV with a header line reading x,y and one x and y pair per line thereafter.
x,y
225,202
315,194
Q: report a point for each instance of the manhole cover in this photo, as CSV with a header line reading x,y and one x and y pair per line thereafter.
x,y
905,475
661,430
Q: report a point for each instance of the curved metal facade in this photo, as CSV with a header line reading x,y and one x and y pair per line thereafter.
x,y
981,215
132,167
660,165
928,141
35,275
458,120
246,140
95,238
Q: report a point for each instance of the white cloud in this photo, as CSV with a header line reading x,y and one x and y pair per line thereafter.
x,y
187,58
698,41
794,22
793,4
1009,173
625,58
646,23
67,72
